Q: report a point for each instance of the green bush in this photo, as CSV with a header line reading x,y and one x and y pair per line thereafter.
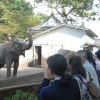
x,y
18,93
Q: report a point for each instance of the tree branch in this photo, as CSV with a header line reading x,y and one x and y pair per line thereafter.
x,y
69,12
59,13
75,15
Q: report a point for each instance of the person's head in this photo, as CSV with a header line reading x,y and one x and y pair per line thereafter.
x,y
98,54
58,65
90,57
75,63
82,54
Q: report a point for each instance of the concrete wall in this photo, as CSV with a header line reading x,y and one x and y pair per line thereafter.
x,y
28,79
23,62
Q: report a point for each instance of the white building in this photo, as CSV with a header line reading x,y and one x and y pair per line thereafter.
x,y
57,36
61,37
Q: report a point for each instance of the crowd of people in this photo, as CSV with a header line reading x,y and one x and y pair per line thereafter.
x,y
65,86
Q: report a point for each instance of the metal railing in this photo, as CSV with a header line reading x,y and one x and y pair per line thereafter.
x,y
20,92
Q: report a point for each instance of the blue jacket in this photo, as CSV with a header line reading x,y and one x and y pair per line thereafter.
x,y
56,92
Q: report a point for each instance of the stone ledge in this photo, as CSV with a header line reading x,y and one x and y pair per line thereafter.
x,y
28,79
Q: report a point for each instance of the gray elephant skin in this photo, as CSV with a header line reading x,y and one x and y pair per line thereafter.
x,y
10,52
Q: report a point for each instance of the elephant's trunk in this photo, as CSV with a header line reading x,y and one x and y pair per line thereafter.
x,y
29,45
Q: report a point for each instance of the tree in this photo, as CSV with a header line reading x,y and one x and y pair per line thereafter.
x,y
42,16
71,9
16,16
97,7
38,0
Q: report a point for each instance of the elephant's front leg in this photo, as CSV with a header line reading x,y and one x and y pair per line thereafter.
x,y
16,64
8,63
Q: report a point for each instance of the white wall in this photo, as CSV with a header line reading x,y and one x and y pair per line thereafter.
x,y
23,61
70,38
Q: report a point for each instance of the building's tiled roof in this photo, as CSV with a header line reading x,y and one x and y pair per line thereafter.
x,y
89,32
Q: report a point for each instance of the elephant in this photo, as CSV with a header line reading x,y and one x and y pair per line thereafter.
x,y
10,52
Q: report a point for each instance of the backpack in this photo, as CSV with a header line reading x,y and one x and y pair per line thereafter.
x,y
92,93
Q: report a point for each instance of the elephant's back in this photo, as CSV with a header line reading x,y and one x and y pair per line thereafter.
x,y
2,48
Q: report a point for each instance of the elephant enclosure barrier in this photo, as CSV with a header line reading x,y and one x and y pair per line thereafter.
x,y
21,92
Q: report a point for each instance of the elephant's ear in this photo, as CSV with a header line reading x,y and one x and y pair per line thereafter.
x,y
13,45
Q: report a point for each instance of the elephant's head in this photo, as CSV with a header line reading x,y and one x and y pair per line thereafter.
x,y
19,46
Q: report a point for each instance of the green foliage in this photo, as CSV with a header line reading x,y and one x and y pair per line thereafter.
x,y
16,16
97,7
38,0
76,8
3,37
23,96
42,16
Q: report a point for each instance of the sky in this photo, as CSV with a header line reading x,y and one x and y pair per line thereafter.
x,y
93,25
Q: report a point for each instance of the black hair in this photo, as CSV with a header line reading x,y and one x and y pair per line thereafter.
x,y
90,58
58,65
98,54
76,64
